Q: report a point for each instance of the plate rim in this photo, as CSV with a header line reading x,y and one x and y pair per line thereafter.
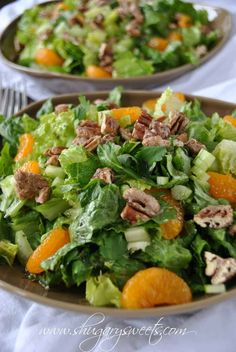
x,y
206,302
175,72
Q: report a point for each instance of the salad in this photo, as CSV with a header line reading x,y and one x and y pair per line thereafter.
x,y
134,205
105,39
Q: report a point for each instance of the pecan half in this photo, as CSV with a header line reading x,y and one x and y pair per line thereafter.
x,y
76,19
232,230
150,139
206,29
132,215
130,8
144,205
219,269
53,160
178,122
140,126
43,195
92,143
86,131
159,129
105,174
201,50
29,186
183,137
125,134
54,151
98,20
53,154
109,125
194,146
106,56
107,138
215,216
133,29
61,108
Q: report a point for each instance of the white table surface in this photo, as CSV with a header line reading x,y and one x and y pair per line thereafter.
x,y
29,327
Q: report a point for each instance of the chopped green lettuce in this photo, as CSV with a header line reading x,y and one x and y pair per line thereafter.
x,y
8,251
78,164
6,162
54,130
100,211
127,65
167,103
225,154
100,291
169,254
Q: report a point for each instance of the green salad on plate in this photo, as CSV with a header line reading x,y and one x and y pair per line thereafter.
x,y
113,39
135,205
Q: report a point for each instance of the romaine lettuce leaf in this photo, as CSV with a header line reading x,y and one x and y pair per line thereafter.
x,y
167,253
5,229
74,263
31,224
225,153
169,102
46,108
100,291
221,243
54,130
8,251
79,165
99,212
6,162
109,155
149,156
53,208
127,65
191,36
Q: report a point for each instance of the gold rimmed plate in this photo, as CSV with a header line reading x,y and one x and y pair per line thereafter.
x,y
14,280
221,20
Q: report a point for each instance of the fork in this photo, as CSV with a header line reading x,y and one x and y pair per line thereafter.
x,y
12,97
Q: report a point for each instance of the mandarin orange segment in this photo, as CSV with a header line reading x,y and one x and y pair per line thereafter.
x,y
48,57
222,186
180,96
158,43
32,167
25,146
172,228
94,71
62,6
150,104
174,36
56,239
134,112
184,21
230,119
154,287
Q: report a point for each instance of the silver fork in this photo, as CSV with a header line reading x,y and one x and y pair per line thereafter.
x,y
13,97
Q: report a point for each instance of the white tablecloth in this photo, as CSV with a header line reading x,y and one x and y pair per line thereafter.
x,y
30,327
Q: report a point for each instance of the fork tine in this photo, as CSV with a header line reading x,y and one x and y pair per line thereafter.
x,y
12,97
10,103
23,95
5,100
17,104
